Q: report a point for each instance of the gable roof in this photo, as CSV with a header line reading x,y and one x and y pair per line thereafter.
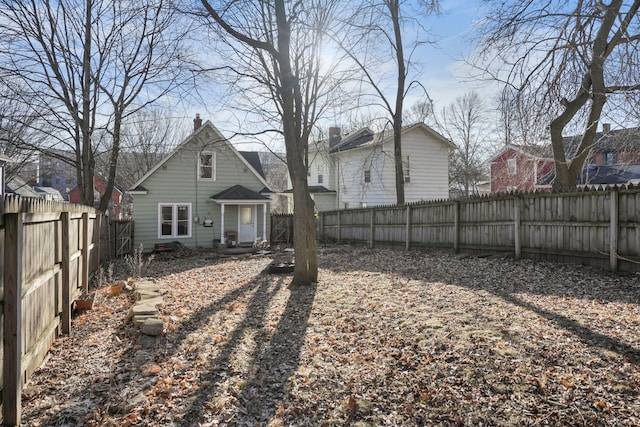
x,y
353,140
19,186
254,160
207,126
364,137
539,152
613,140
51,192
610,174
237,192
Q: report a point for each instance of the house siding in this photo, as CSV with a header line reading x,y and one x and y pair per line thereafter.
x,y
324,201
344,172
176,181
429,172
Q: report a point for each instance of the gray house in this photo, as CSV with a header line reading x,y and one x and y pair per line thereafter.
x,y
204,191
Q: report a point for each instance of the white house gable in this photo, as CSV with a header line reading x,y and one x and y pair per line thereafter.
x,y
359,170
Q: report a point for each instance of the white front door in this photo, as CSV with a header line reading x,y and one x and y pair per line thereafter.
x,y
247,221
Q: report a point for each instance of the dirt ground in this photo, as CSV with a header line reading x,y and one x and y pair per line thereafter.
x,y
385,338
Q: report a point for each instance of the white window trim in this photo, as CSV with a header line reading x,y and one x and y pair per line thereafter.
x,y
510,163
174,218
213,166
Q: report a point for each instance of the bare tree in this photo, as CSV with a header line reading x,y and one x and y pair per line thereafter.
x,y
87,65
276,61
465,123
575,56
520,122
16,136
420,112
146,138
378,26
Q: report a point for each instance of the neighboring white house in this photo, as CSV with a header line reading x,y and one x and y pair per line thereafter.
x,y
357,170
3,163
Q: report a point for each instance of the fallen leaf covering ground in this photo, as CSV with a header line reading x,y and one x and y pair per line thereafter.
x,y
385,338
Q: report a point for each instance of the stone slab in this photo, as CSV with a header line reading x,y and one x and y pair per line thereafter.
x,y
153,327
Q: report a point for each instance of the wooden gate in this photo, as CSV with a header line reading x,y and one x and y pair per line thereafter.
x,y
119,238
281,228
123,238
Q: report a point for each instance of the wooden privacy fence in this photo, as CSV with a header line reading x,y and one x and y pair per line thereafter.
x,y
597,227
49,252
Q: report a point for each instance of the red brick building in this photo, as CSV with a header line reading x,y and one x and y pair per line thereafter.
x,y
520,168
614,159
100,186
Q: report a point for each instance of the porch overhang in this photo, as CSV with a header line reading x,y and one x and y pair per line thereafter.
x,y
239,195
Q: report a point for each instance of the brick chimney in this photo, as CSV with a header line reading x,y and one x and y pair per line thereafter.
x,y
334,136
606,127
197,122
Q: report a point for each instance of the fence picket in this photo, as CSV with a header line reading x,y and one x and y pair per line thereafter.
x,y
599,227
50,250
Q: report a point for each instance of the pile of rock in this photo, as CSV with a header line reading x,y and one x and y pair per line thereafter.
x,y
144,312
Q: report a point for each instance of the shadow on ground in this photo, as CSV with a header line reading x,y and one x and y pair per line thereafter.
x,y
507,278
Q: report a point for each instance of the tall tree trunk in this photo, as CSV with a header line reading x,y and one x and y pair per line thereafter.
x,y
113,161
394,9
305,268
88,163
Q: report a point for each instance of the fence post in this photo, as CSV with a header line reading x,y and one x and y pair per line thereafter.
x,y
371,228
517,219
12,366
407,232
613,231
321,224
97,232
456,226
338,233
85,252
65,316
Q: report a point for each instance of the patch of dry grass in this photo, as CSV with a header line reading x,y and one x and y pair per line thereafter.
x,y
385,338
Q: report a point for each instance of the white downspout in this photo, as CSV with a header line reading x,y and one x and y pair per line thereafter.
x,y
222,239
264,221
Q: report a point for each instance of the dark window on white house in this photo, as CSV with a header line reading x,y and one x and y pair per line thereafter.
x,y
405,169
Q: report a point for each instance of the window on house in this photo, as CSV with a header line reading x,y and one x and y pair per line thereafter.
x,y
609,158
511,166
174,220
207,166
363,204
367,176
405,169
320,178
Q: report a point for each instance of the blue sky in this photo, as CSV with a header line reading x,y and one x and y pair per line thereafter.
x,y
446,76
